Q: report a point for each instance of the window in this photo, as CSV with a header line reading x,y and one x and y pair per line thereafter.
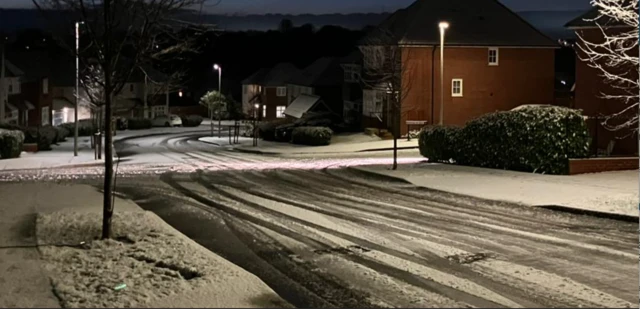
x,y
45,86
456,88
245,89
280,111
131,87
493,56
10,88
45,115
264,111
351,73
281,91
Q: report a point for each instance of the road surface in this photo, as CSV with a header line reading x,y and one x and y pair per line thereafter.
x,y
322,235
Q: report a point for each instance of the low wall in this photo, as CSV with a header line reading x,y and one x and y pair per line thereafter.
x,y
597,165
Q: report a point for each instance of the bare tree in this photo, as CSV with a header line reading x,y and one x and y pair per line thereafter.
x,y
615,56
123,35
385,71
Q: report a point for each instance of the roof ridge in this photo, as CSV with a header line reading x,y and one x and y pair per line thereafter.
x,y
524,21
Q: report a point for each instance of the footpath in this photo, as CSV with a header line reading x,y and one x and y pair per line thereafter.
x,y
614,193
50,256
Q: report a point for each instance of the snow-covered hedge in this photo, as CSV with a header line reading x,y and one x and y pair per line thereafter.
x,y
139,123
438,143
267,130
10,143
312,136
191,120
86,127
537,139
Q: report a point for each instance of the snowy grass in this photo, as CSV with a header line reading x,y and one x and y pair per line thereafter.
x,y
158,265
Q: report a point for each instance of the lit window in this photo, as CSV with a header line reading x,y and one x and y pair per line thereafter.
x,y
280,111
456,88
282,91
493,56
264,111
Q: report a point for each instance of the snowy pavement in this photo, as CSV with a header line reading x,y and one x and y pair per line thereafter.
x,y
343,143
335,238
42,230
610,192
60,155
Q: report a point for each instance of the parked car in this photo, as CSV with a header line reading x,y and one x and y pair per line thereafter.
x,y
167,121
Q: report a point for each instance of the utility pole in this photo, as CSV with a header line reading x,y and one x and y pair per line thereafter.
x,y
443,27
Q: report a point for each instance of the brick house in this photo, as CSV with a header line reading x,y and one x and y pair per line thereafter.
x,y
35,99
494,60
590,85
265,94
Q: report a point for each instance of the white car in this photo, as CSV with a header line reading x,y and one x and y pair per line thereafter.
x,y
167,121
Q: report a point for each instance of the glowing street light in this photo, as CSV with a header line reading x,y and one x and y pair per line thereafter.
x,y
75,113
443,27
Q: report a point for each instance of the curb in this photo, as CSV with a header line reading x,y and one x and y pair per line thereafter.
x,y
57,167
554,208
312,153
156,134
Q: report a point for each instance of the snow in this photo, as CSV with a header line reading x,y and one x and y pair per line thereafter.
x,y
160,267
60,155
610,192
341,143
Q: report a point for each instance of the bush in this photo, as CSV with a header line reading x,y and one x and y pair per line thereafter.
x,y
438,143
62,133
11,142
191,120
312,136
47,136
139,123
86,127
267,130
535,139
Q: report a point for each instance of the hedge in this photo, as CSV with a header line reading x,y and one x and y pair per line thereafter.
x,y
537,139
139,123
62,134
86,127
267,130
438,143
312,136
191,120
11,142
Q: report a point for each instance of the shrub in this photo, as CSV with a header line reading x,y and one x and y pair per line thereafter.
x,y
535,139
312,136
267,130
86,127
191,120
438,143
139,123
11,142
44,136
62,133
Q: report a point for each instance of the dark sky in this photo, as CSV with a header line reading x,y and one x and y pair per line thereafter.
x,y
343,6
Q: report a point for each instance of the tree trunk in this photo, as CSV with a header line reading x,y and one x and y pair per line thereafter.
x,y
396,132
219,127
107,211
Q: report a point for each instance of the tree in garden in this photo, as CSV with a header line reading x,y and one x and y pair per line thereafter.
x,y
121,36
384,71
615,56
216,102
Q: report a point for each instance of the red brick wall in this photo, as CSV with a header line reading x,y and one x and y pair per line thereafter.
x,y
597,165
523,76
589,86
32,92
271,100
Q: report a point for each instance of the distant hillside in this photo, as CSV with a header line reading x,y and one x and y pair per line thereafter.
x,y
550,22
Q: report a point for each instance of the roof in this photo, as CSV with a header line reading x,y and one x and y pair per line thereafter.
x,y
473,23
35,65
322,72
302,104
60,103
355,57
590,19
11,70
279,75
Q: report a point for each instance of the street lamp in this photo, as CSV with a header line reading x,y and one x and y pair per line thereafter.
x,y
219,69
443,27
75,112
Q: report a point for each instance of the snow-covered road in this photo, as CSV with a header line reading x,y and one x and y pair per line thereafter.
x,y
332,237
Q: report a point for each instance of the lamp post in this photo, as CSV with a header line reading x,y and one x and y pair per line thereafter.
x,y
216,67
75,112
443,27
